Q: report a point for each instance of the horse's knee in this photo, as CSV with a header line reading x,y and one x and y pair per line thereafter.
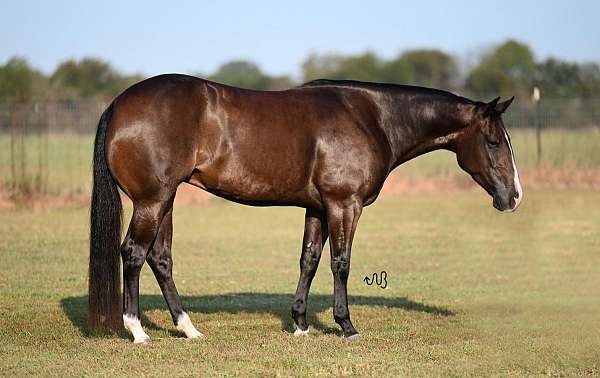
x,y
340,265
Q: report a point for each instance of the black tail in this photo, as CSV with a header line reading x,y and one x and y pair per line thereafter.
x,y
104,298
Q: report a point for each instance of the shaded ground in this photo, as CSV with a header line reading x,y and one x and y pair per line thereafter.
x,y
277,305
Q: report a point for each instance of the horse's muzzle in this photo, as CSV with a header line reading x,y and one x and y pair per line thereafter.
x,y
505,201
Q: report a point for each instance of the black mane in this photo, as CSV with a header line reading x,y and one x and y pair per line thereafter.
x,y
408,89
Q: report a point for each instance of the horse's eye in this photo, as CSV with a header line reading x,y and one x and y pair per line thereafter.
x,y
493,143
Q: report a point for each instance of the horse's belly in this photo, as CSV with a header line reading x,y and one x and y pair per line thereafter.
x,y
256,187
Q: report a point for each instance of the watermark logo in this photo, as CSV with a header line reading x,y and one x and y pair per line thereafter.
x,y
379,279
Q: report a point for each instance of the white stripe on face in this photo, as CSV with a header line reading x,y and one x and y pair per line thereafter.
x,y
517,182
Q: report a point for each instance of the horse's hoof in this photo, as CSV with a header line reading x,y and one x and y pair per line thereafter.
x,y
195,334
356,336
299,332
142,340
185,326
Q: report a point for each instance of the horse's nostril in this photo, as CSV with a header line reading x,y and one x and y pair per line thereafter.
x,y
515,195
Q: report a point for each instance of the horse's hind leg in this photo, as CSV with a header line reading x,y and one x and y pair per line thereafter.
x,y
161,262
315,235
143,229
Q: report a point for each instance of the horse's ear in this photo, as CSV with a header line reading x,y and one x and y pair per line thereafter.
x,y
502,106
490,107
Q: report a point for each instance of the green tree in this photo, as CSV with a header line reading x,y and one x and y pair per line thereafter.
x,y
89,77
366,67
424,67
241,73
16,80
397,71
589,77
280,82
320,66
428,67
508,70
557,78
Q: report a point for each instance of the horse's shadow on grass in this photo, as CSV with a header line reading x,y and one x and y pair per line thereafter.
x,y
278,305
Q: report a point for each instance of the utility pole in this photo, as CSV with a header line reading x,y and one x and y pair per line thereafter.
x,y
538,132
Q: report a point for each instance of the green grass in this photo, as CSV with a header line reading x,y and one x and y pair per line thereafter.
x,y
58,163
472,292
66,159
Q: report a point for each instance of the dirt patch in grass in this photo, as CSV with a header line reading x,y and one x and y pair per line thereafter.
x,y
5,201
568,177
562,178
10,199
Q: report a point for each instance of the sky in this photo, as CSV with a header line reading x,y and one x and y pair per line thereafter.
x,y
153,37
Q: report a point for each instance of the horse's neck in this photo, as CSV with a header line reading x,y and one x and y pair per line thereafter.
x,y
417,128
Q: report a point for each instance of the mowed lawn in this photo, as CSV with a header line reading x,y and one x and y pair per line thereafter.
x,y
470,292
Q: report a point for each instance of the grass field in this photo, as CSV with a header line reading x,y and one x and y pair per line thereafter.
x,y
62,163
472,292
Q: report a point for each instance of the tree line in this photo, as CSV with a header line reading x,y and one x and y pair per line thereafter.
x,y
507,69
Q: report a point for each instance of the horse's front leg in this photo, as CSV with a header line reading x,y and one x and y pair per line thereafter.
x,y
315,235
342,218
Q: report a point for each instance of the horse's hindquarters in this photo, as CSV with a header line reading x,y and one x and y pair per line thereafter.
x,y
150,142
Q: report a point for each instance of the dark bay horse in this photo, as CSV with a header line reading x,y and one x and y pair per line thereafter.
x,y
326,146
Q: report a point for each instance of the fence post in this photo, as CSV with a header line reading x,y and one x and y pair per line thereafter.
x,y
13,142
538,130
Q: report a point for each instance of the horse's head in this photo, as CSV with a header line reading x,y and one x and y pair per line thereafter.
x,y
484,151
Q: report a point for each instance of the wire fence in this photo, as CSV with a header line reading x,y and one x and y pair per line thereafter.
x,y
46,147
